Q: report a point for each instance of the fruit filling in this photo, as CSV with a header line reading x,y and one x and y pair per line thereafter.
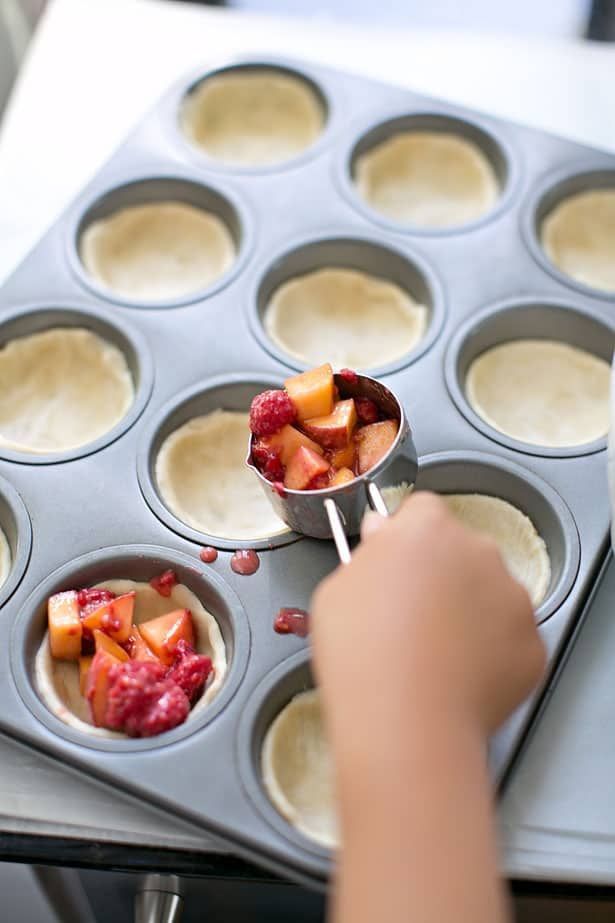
x,y
310,437
138,679
292,621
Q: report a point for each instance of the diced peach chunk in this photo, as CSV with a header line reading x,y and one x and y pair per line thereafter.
x,y
373,443
139,650
312,392
342,476
103,642
335,430
96,619
287,441
344,458
164,633
97,685
304,466
114,617
84,667
65,628
122,612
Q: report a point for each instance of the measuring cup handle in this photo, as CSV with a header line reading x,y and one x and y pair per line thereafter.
x,y
376,502
337,530
375,498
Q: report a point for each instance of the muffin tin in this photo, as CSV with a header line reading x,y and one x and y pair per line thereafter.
x,y
96,512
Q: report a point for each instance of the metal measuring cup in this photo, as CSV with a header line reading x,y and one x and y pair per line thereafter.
x,y
337,512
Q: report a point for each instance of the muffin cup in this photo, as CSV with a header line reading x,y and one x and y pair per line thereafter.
x,y
139,563
115,331
526,318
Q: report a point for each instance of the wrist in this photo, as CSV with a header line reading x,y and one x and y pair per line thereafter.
x,y
426,736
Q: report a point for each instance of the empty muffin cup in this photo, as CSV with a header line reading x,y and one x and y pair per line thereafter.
x,y
51,687
528,520
348,301
431,172
69,380
535,375
15,539
192,467
253,116
159,241
284,757
575,222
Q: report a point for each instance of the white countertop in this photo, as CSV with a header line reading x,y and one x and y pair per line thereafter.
x,y
94,67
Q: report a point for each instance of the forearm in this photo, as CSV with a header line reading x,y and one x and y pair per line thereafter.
x,y
418,834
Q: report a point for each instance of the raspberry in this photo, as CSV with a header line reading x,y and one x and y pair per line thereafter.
x,y
349,375
142,701
367,410
270,411
190,670
164,583
292,621
268,461
92,598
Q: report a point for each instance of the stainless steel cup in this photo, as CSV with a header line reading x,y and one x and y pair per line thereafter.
x,y
337,512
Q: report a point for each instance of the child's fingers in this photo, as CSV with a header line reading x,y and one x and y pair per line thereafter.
x,y
370,524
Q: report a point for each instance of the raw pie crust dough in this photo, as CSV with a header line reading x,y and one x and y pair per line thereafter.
x,y
157,252
252,119
57,681
430,179
541,392
61,389
578,236
297,769
345,317
5,558
203,478
523,550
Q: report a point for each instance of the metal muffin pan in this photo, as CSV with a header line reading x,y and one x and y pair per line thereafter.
x,y
97,512
365,254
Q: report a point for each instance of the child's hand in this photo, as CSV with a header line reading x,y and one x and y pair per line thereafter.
x,y
426,610
423,645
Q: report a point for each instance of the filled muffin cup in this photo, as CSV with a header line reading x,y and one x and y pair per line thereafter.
x,y
50,688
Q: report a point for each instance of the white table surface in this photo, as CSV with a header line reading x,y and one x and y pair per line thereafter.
x,y
93,69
